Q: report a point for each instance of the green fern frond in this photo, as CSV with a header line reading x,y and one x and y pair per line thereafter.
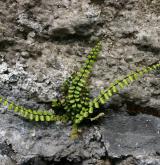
x,y
34,115
114,88
107,93
77,91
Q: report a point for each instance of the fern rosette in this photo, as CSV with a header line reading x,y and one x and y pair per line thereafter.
x,y
74,103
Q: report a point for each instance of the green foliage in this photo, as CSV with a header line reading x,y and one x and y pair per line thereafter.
x,y
75,103
33,115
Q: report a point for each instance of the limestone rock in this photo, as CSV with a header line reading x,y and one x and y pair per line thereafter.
x,y
43,42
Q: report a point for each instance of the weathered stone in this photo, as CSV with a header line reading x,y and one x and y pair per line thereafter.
x,y
43,42
4,160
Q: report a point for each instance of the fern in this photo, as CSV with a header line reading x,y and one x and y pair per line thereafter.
x,y
75,102
34,115
115,87
78,95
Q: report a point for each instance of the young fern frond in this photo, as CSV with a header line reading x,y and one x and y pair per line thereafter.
x,y
77,98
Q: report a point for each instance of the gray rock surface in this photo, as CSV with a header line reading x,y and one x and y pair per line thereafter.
x,y
43,42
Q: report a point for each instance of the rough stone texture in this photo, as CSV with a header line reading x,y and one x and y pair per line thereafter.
x,y
42,42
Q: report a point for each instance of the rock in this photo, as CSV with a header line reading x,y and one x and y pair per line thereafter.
x,y
119,135
65,21
4,160
131,135
25,54
43,42
3,68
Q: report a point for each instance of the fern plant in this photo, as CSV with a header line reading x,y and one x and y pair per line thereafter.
x,y
75,103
